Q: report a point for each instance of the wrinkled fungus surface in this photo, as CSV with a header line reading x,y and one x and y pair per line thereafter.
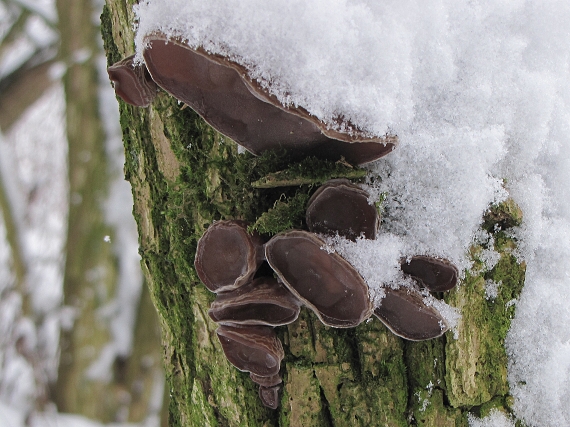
x,y
132,82
261,302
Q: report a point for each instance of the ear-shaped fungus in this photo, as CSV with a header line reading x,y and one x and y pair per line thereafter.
x,y
266,381
261,302
324,281
437,275
339,206
227,256
220,91
254,349
270,396
404,312
132,82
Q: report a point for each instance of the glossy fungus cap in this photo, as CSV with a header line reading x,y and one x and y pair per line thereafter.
x,y
339,206
437,275
254,349
220,91
263,301
270,396
132,83
227,256
323,281
405,313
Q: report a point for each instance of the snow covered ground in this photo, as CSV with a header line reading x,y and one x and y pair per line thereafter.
x,y
478,93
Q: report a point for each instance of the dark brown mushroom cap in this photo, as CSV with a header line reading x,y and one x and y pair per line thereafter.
x,y
323,281
270,396
339,206
219,90
227,256
261,302
132,82
404,312
254,349
437,275
270,381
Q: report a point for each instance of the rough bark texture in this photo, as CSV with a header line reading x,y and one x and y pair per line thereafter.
x,y
184,176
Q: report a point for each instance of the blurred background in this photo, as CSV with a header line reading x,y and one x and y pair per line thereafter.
x,y
79,336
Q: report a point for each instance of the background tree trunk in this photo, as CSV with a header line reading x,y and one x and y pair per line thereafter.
x,y
184,176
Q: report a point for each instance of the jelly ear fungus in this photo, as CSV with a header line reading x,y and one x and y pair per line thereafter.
x,y
227,255
263,301
254,349
323,281
220,91
406,314
437,275
132,82
341,207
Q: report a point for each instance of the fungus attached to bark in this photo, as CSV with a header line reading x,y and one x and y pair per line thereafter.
x,y
263,301
405,313
221,92
323,281
132,82
254,349
270,381
437,275
339,206
270,396
227,256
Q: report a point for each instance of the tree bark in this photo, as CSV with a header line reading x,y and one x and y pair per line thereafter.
x,y
184,176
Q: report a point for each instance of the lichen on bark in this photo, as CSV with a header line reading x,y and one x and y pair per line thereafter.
x,y
184,176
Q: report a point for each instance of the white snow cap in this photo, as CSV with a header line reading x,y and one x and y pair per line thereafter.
x,y
478,93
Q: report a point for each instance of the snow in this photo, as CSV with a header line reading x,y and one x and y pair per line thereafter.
x,y
494,419
478,93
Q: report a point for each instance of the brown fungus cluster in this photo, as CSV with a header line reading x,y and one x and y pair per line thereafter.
x,y
228,256
247,308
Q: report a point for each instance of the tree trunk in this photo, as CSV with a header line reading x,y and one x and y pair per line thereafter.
x,y
184,176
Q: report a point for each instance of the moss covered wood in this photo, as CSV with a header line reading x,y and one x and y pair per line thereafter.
x,y
184,176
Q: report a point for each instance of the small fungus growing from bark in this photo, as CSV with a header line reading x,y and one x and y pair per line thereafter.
x,y
339,206
405,313
254,349
263,301
221,92
227,256
132,82
323,281
437,275
270,396
266,381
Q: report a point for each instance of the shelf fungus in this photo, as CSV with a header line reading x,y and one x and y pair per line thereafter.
x,y
406,314
437,275
263,301
132,82
220,91
323,281
341,207
227,256
253,349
